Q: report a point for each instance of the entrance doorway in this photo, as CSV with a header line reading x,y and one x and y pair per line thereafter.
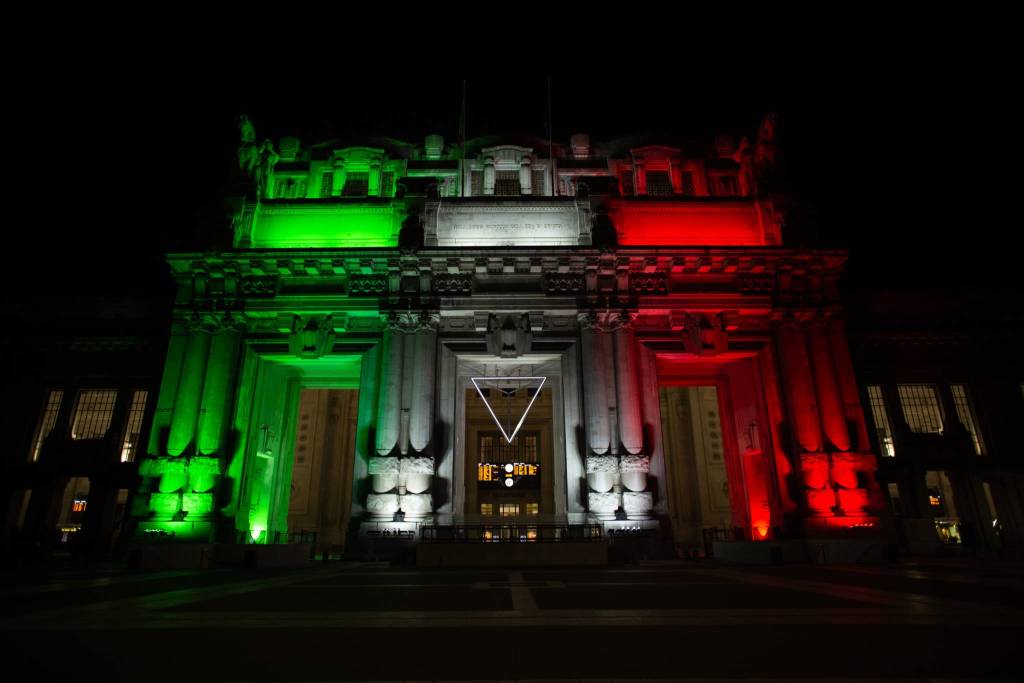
x,y
695,461
509,481
320,500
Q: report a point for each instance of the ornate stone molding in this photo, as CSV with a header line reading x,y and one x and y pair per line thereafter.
x,y
606,321
411,322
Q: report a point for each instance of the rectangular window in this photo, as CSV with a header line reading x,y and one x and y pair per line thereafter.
x,y
921,408
659,184
965,411
356,184
533,508
476,183
881,417
495,449
506,183
130,445
327,184
92,414
538,181
486,509
509,509
47,421
531,449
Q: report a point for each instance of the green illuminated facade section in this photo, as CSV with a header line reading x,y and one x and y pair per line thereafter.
x,y
326,225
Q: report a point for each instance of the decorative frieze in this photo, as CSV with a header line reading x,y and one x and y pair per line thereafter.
x,y
648,283
453,285
367,285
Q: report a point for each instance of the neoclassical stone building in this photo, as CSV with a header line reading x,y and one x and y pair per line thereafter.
x,y
486,333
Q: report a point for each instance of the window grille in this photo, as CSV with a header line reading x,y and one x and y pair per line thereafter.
x,y
965,411
476,183
881,418
131,434
533,508
508,509
506,183
523,448
92,414
486,509
659,184
921,408
356,184
47,420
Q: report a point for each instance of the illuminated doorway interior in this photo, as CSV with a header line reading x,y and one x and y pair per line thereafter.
x,y
509,481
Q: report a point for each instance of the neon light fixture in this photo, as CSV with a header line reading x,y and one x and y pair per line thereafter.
x,y
505,380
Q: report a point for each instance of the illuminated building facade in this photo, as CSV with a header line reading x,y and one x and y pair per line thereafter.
x,y
355,363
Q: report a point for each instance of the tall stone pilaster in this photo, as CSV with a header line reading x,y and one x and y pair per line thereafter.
x,y
390,406
830,400
188,397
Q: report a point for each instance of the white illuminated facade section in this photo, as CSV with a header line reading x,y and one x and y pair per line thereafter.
x,y
507,380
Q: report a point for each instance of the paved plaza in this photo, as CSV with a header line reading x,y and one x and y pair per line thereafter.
x,y
952,620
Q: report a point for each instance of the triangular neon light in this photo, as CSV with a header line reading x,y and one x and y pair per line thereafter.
x,y
476,383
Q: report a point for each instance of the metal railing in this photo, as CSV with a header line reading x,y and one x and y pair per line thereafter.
x,y
512,533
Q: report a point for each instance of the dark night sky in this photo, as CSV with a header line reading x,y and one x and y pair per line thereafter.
x,y
869,160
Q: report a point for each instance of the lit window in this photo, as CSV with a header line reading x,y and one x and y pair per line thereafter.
x,y
533,508
486,509
508,509
965,411
881,417
921,408
47,421
92,414
131,434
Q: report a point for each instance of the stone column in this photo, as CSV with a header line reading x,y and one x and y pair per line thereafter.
x,y
627,395
594,346
190,385
389,408
219,386
798,386
830,402
525,178
848,385
639,177
421,410
489,175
